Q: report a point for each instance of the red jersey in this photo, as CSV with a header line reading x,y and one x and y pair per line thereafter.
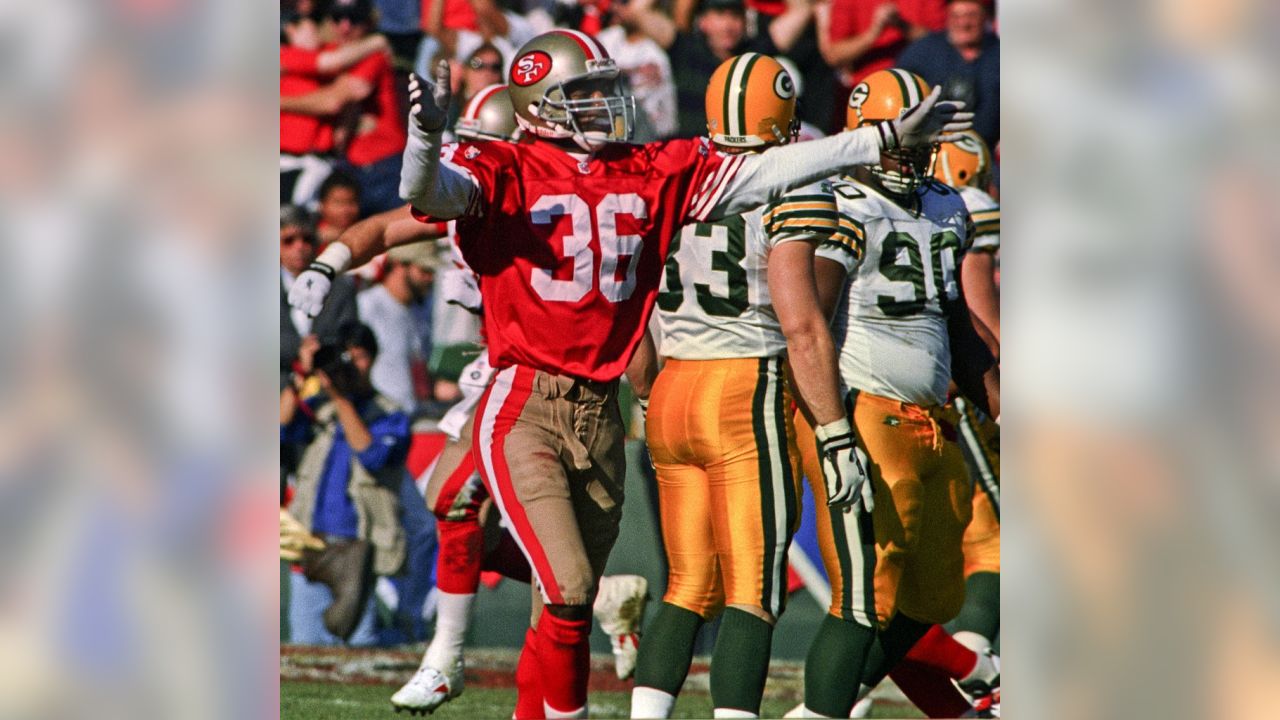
x,y
301,134
388,135
853,17
569,252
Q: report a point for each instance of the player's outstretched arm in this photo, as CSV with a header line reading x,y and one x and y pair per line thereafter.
x,y
357,245
430,186
758,179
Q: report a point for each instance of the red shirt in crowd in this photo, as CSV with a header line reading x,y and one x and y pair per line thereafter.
x,y
301,134
853,17
570,252
458,14
388,135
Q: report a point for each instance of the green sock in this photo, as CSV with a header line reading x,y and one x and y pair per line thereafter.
x,y
981,611
740,664
892,644
835,662
666,649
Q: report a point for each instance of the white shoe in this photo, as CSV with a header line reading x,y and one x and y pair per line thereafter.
x,y
862,708
428,689
795,712
983,686
619,607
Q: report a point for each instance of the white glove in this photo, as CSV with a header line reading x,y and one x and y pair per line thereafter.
x,y
844,465
429,101
312,286
927,123
459,287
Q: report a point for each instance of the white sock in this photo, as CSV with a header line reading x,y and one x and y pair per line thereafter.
x,y
972,640
647,702
732,713
805,712
861,709
453,616
863,691
553,713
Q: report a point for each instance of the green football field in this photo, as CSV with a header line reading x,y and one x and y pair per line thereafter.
x,y
342,684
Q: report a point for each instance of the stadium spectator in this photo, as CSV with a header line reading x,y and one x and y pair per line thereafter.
x,y
481,68
965,60
648,72
859,37
395,309
307,140
365,107
297,250
348,487
721,32
401,22
339,207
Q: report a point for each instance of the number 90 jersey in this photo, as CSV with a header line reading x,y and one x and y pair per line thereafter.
x,y
891,325
714,302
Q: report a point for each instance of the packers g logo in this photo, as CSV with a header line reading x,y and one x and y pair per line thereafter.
x,y
859,96
530,68
783,86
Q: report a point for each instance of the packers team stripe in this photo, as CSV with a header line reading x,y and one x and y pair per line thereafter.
x,y
790,516
775,473
759,405
911,92
735,100
841,540
985,215
987,228
983,456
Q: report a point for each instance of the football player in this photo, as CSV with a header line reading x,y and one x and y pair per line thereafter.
x,y
568,235
900,323
738,320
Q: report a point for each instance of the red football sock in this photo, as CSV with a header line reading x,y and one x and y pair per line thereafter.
x,y
940,651
507,559
930,690
528,682
564,660
461,545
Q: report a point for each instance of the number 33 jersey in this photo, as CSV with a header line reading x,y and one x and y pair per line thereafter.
x,y
891,324
569,248
714,302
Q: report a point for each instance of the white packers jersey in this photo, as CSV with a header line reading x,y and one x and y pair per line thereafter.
x,y
985,212
891,325
713,301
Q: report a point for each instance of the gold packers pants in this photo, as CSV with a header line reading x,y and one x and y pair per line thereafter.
x,y
722,442
980,438
922,506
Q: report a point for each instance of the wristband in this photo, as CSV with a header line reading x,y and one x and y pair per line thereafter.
x,y
833,429
888,135
337,257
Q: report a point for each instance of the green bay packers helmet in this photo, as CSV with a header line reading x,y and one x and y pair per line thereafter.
x,y
489,116
751,103
966,161
553,68
887,95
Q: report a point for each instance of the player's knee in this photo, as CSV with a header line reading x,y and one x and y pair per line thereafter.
x,y
755,610
569,612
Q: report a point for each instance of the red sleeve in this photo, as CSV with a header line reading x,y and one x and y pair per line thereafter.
x,y
709,173
371,68
296,61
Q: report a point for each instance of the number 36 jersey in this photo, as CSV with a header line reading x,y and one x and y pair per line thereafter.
x,y
714,302
891,325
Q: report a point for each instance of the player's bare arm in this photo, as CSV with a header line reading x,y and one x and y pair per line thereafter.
x,y
973,364
643,368
810,350
977,271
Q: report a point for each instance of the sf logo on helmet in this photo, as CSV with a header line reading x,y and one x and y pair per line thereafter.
x,y
530,68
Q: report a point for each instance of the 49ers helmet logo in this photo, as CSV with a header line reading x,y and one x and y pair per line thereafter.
x,y
530,68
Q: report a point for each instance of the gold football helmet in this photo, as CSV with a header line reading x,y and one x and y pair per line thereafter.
x,y
887,95
966,161
751,103
489,116
553,67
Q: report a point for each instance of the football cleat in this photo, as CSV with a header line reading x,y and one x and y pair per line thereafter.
x,y
619,607
982,686
428,689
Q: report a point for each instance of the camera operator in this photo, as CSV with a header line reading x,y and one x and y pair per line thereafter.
x,y
349,483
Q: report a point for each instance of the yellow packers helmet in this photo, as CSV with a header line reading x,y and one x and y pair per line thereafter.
x,y
966,161
546,72
489,116
886,95
751,103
